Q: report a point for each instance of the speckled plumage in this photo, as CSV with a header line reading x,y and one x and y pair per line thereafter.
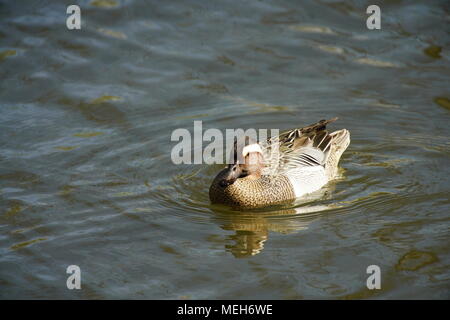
x,y
249,193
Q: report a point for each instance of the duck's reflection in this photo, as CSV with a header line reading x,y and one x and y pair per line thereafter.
x,y
247,243
252,230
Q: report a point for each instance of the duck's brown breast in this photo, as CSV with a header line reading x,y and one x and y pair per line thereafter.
x,y
249,193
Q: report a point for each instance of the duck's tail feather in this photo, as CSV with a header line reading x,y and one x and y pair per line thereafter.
x,y
338,144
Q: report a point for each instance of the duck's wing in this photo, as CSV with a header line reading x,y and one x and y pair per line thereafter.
x,y
305,147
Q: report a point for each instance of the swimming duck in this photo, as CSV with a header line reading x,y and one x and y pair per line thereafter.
x,y
281,169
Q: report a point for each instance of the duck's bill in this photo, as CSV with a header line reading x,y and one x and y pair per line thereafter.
x,y
233,173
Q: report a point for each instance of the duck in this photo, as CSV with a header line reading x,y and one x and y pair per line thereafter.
x,y
280,169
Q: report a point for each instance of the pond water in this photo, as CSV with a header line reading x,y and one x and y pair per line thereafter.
x,y
86,176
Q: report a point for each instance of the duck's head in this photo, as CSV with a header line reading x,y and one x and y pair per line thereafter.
x,y
249,165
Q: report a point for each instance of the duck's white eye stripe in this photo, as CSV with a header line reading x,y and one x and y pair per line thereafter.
x,y
251,148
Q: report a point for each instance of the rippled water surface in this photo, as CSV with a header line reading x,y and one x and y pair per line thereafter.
x,y
86,176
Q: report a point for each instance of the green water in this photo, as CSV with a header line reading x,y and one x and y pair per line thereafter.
x,y
86,176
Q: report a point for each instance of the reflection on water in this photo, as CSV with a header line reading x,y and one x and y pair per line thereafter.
x,y
251,232
86,176
252,227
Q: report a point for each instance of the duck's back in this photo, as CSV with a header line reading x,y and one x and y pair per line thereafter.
x,y
309,147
